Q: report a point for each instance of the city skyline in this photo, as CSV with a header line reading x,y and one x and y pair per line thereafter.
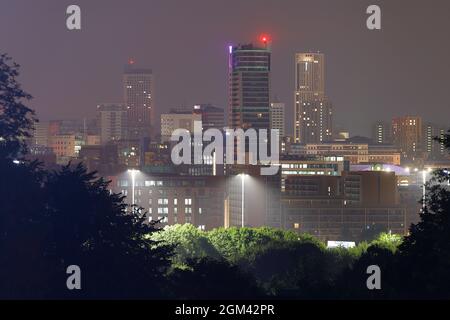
x,y
240,150
61,73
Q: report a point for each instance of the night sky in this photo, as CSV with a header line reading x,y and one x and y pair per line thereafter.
x,y
402,69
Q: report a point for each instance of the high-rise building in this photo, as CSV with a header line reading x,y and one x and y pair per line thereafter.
x,y
407,136
277,117
173,121
435,150
313,111
139,101
382,133
41,134
309,76
249,77
112,119
212,117
315,121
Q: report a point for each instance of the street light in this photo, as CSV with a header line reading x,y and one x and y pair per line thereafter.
x,y
243,175
133,183
424,181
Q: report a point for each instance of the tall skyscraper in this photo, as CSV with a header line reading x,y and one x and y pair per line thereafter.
x,y
407,136
313,111
277,117
249,77
212,117
435,150
139,101
382,133
315,121
309,76
112,120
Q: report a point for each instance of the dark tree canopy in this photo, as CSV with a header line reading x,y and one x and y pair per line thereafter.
x,y
16,119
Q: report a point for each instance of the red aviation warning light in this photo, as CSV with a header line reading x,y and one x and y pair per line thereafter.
x,y
264,38
131,61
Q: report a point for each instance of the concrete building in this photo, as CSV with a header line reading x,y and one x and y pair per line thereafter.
x,y
434,150
382,133
174,199
292,166
100,158
173,121
212,117
384,154
41,134
112,119
277,119
407,136
333,220
353,152
138,86
315,121
343,207
252,200
249,85
309,76
65,147
312,109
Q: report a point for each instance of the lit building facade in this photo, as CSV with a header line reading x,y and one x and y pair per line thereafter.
x,y
277,119
343,207
407,136
112,119
382,133
173,121
65,147
435,150
249,85
174,199
212,117
138,89
312,111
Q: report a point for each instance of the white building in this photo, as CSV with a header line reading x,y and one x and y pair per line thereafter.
x,y
277,117
172,121
112,119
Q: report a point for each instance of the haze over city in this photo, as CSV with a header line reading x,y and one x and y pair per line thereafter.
x,y
401,69
215,158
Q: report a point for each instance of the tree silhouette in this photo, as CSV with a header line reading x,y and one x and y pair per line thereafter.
x,y
51,220
16,119
425,252
213,279
91,228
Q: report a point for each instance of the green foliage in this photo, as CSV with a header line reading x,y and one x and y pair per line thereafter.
x,y
188,242
388,241
236,244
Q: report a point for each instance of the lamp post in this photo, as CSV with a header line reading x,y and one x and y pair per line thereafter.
x,y
243,175
133,183
424,182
